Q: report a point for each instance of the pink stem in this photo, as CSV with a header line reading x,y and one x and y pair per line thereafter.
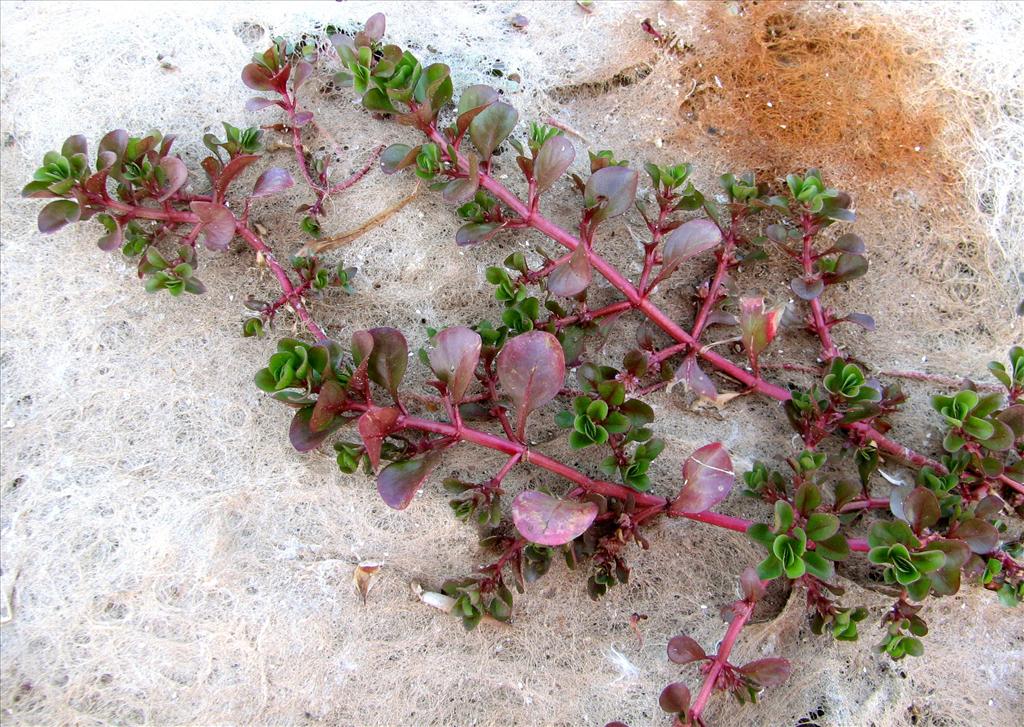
x,y
188,218
721,659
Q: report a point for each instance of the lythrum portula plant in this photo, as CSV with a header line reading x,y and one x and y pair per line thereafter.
x,y
491,379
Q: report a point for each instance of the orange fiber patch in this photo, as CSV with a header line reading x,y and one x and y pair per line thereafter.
x,y
779,86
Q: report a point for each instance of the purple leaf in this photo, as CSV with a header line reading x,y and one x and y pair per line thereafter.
x,y
375,26
850,243
770,672
462,190
675,698
683,650
921,508
57,214
302,72
980,536
258,103
399,482
571,277
688,240
76,144
115,142
707,479
329,402
218,224
692,376
302,436
272,181
397,157
114,237
231,170
492,126
476,232
552,160
454,358
257,78
386,353
373,426
547,520
807,289
473,101
302,118
531,369
751,585
757,325
611,190
861,319
177,174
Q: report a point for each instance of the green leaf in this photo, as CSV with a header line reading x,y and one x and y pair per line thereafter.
x,y
492,126
821,526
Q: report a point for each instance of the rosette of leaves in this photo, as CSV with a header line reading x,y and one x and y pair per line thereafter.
x,y
176,276
387,77
473,501
521,308
591,422
810,193
977,418
787,545
295,365
894,546
764,483
1011,377
472,601
903,632
269,71
672,183
842,622
236,141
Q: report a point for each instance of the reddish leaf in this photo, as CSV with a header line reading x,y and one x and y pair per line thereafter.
x,y
386,354
571,277
492,126
473,101
531,369
302,72
272,181
454,357
57,214
693,377
675,698
231,170
547,520
218,224
374,28
707,479
683,650
302,436
373,426
177,174
921,508
552,160
399,482
689,239
462,190
329,402
980,536
611,190
757,325
751,585
770,672
258,103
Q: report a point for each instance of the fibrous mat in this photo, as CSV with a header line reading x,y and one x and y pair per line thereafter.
x,y
168,558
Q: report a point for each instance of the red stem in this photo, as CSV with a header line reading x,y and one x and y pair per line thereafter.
x,y
250,237
721,659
